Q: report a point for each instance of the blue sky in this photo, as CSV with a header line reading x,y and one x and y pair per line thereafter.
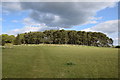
x,y
8,21
16,19
106,14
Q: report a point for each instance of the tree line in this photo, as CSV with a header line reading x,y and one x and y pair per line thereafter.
x,y
59,37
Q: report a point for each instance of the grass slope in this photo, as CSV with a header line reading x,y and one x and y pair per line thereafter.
x,y
45,61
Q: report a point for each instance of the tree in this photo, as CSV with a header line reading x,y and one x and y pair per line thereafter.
x,y
60,37
1,40
6,39
64,37
110,42
17,40
117,46
49,36
73,38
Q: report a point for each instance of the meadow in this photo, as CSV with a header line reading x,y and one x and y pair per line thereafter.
x,y
59,61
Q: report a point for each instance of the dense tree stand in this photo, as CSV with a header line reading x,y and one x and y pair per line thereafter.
x,y
60,37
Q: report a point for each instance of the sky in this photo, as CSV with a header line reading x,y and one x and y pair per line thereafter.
x,y
21,17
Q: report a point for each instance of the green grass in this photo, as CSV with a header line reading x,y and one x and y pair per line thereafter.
x,y
0,62
44,61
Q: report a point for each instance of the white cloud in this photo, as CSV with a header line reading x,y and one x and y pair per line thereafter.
x,y
13,6
23,30
95,18
92,20
32,29
60,0
59,14
108,27
116,41
8,7
29,21
68,14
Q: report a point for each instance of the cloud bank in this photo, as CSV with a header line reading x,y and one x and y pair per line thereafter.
x,y
64,14
59,14
31,28
108,27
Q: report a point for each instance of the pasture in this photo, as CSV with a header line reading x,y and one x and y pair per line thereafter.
x,y
59,61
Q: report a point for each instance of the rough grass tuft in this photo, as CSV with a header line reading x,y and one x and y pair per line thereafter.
x,y
70,63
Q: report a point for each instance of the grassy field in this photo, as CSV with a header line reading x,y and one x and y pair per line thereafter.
x,y
0,62
54,61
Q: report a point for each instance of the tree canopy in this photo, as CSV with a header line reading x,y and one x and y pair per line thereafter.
x,y
5,38
60,37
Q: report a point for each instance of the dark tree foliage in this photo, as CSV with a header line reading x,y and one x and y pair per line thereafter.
x,y
4,38
117,46
65,37
17,40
